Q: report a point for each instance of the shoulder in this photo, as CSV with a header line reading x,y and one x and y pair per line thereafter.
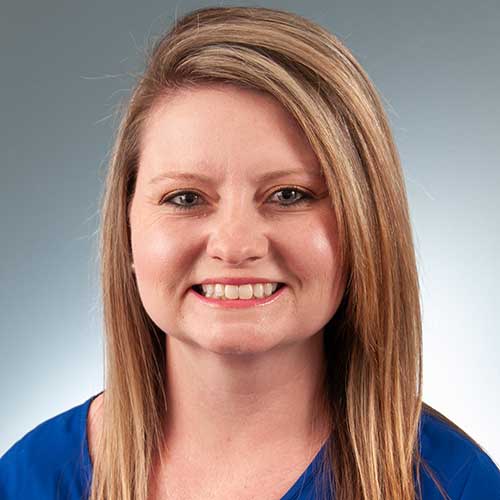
x,y
461,466
50,459
94,420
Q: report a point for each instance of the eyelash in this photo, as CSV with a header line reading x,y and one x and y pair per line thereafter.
x,y
306,197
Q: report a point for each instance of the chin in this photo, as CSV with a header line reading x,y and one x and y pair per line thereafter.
x,y
226,346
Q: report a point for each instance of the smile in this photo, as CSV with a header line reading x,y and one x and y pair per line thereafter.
x,y
238,296
238,292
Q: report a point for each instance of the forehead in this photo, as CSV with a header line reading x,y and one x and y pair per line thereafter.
x,y
226,126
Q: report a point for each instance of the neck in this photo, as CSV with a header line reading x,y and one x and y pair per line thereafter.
x,y
222,406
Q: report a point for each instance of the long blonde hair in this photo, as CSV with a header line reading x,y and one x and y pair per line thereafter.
x,y
373,344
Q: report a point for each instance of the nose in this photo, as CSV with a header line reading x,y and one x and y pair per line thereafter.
x,y
237,236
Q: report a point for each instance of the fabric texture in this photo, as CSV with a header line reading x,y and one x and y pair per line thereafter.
x,y
52,462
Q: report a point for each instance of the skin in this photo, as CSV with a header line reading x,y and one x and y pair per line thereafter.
x,y
240,382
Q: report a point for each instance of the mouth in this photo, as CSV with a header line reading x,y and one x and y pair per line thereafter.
x,y
199,290
214,300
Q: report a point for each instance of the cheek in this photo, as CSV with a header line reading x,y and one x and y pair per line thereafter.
x,y
323,280
162,257
314,254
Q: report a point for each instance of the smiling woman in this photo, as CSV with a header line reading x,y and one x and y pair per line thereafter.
x,y
261,298
234,231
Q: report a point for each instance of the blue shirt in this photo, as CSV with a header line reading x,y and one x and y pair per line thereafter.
x,y
52,462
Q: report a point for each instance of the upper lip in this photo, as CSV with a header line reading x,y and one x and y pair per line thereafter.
x,y
237,281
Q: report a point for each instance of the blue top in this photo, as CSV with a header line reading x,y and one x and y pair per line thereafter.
x,y
52,462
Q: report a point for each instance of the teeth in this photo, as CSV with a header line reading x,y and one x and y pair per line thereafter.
x,y
250,291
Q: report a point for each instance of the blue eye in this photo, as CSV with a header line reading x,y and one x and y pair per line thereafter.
x,y
304,196
188,198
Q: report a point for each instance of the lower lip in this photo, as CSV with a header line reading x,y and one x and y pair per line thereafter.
x,y
239,303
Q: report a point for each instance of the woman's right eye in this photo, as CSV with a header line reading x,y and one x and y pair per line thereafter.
x,y
186,195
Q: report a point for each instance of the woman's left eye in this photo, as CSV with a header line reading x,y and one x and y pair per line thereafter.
x,y
189,197
304,196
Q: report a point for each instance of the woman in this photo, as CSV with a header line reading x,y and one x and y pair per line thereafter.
x,y
261,298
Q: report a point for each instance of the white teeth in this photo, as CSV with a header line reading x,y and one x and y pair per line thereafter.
x,y
257,290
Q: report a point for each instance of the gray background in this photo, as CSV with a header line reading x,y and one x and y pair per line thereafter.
x,y
65,66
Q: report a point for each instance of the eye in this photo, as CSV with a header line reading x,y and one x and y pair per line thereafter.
x,y
187,199
186,195
292,199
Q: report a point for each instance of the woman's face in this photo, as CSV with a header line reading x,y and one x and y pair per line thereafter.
x,y
238,224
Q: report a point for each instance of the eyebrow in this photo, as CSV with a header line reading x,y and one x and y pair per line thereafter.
x,y
275,174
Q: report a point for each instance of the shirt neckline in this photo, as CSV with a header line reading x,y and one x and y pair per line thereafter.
x,y
293,493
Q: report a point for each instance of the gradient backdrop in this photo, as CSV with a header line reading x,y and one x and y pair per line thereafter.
x,y
65,66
